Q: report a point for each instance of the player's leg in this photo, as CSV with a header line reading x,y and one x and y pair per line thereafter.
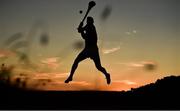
x,y
97,62
79,58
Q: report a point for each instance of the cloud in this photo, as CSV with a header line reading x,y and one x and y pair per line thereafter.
x,y
74,85
131,32
134,31
55,81
50,75
128,33
2,55
147,65
61,75
108,51
5,53
127,82
83,83
51,62
135,64
120,85
132,64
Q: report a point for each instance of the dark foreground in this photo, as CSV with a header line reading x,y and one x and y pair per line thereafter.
x,y
164,94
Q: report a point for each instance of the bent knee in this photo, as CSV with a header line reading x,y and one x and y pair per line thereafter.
x,y
76,63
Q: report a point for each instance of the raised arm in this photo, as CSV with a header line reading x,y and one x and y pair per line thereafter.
x,y
81,30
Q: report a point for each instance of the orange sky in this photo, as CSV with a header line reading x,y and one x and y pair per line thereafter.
x,y
138,42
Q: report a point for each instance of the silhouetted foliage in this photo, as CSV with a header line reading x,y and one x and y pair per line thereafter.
x,y
5,73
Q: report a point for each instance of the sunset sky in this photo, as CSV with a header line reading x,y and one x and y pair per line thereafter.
x,y
135,34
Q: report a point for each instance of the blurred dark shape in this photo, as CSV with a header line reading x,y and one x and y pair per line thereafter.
x,y
21,81
5,73
13,38
2,67
21,74
44,82
25,60
49,80
44,39
106,12
31,34
150,66
24,84
18,45
38,26
80,11
24,57
14,44
78,45
17,82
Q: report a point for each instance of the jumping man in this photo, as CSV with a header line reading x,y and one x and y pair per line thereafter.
x,y
89,34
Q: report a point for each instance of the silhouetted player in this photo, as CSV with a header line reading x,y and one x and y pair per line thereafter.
x,y
89,34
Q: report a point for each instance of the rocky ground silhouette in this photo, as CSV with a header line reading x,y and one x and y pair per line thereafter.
x,y
163,94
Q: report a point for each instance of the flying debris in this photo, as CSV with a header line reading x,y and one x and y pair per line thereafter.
x,y
23,57
150,67
106,12
78,45
44,39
